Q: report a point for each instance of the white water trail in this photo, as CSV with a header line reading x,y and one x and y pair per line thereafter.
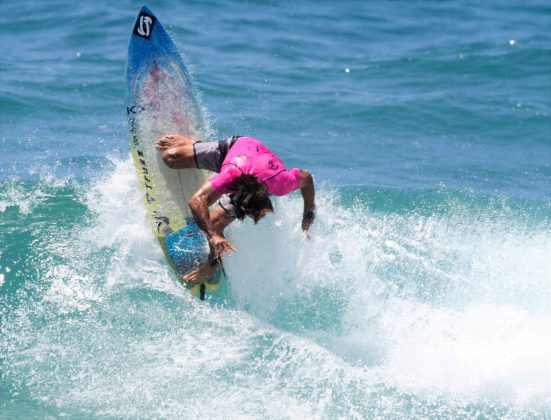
x,y
378,314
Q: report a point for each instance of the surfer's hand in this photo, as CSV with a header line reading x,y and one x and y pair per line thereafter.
x,y
308,219
169,141
220,246
306,223
201,274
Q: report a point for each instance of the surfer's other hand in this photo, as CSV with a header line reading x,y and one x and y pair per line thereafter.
x,y
306,223
220,246
169,141
201,274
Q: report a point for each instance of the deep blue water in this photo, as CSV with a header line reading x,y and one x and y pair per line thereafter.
x,y
425,291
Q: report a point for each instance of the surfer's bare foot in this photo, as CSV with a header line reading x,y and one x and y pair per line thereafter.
x,y
202,274
171,140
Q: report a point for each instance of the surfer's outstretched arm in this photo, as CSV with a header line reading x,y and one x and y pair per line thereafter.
x,y
219,219
199,205
308,194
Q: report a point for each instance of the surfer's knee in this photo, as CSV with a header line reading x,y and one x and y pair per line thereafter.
x,y
179,157
170,156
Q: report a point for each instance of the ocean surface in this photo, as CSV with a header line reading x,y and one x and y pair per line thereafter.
x,y
425,289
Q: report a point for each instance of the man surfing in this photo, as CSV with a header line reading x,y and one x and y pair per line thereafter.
x,y
247,174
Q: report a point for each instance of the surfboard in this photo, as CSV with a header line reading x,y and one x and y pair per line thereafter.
x,y
161,100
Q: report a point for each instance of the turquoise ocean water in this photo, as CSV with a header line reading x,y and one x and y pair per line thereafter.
x,y
425,291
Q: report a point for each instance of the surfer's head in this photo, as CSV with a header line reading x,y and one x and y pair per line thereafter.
x,y
249,197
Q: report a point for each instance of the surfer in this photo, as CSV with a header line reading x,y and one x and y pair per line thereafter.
x,y
247,173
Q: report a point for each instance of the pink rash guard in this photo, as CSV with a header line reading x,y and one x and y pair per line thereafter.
x,y
250,157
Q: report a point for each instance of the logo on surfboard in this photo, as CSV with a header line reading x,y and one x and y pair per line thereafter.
x,y
144,25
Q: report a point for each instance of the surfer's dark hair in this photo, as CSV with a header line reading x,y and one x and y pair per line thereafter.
x,y
249,196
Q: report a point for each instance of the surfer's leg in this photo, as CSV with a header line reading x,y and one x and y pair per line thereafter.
x,y
210,155
171,140
180,157
177,151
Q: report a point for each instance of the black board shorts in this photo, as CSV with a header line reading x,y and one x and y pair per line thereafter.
x,y
210,155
